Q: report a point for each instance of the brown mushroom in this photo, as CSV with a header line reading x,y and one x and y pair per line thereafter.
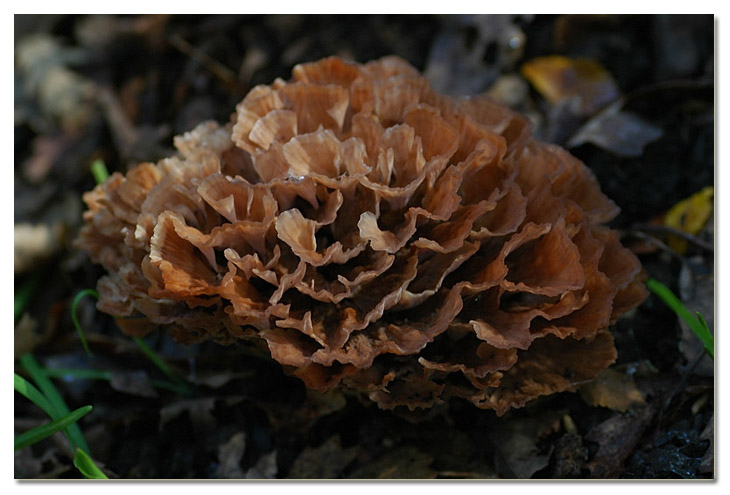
x,y
377,236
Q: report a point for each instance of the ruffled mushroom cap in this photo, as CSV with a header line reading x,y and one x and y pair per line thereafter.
x,y
377,236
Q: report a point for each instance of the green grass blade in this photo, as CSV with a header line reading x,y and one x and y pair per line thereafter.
x,y
161,364
40,432
99,171
86,466
178,384
155,358
30,392
75,319
78,374
698,326
702,321
73,432
709,340
86,374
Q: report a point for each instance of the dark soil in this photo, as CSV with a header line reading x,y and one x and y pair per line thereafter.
x,y
155,77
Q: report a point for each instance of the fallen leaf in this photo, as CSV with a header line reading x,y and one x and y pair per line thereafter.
x,y
230,455
48,465
621,133
516,442
316,405
133,383
61,93
46,151
200,411
265,468
217,379
454,69
617,438
563,120
707,464
327,461
457,67
689,215
569,456
612,389
509,89
453,452
35,243
406,462
559,78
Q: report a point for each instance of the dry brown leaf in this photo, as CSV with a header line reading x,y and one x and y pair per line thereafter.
x,y
327,461
617,438
516,442
569,456
614,390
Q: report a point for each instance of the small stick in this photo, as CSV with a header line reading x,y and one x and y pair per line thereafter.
x,y
214,66
664,229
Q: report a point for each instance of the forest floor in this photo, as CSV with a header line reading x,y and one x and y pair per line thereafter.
x,y
118,88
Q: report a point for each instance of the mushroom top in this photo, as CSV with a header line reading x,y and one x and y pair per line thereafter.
x,y
376,236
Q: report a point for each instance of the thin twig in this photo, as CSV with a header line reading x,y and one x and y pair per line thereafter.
x,y
218,69
656,242
124,132
665,229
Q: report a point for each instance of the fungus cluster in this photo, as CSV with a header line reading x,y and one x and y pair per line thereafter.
x,y
376,236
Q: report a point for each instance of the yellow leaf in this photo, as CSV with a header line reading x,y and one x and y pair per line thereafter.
x,y
689,215
557,78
